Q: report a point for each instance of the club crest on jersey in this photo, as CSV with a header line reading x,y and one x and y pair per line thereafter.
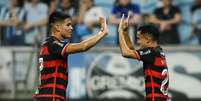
x,y
145,52
162,53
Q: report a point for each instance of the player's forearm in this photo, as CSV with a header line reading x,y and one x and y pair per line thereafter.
x,y
128,40
125,50
92,41
123,44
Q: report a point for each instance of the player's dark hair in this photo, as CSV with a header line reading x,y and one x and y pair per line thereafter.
x,y
150,30
57,16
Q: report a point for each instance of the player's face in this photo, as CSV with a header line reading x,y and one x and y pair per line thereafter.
x,y
66,28
142,40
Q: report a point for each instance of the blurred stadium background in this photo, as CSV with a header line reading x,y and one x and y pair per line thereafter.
x,y
101,73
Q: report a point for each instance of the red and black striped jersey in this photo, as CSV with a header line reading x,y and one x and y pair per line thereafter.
x,y
156,73
53,70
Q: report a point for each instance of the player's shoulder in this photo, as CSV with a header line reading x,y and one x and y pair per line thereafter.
x,y
59,43
151,50
144,51
159,51
47,41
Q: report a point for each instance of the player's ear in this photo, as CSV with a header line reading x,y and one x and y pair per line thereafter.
x,y
148,41
57,27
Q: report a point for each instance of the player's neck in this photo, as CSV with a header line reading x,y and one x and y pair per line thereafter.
x,y
59,37
152,45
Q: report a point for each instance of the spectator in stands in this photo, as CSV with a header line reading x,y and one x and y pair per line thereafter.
x,y
3,11
36,21
66,7
12,19
123,7
88,18
167,18
52,5
147,6
146,9
196,20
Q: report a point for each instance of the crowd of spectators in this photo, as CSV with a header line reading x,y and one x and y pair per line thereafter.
x,y
25,22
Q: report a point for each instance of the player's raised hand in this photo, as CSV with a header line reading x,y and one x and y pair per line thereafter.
x,y
121,24
127,19
103,25
124,23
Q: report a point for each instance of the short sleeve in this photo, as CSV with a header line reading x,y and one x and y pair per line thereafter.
x,y
156,11
146,55
58,48
136,9
114,10
177,10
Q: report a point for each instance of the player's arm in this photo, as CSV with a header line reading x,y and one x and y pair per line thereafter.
x,y
124,47
126,35
88,43
128,40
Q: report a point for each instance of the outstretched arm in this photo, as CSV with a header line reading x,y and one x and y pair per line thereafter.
x,y
89,43
126,34
124,45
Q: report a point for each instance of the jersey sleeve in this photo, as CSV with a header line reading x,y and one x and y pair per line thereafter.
x,y
114,10
177,10
59,48
146,55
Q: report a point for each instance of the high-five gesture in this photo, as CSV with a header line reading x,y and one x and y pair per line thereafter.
x,y
92,41
124,40
103,25
124,24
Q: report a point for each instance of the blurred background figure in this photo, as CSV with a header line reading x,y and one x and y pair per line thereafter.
x,y
88,18
36,21
3,5
167,19
146,9
52,5
12,20
66,7
123,7
196,20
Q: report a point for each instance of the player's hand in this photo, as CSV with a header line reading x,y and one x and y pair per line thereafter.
x,y
124,23
103,25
